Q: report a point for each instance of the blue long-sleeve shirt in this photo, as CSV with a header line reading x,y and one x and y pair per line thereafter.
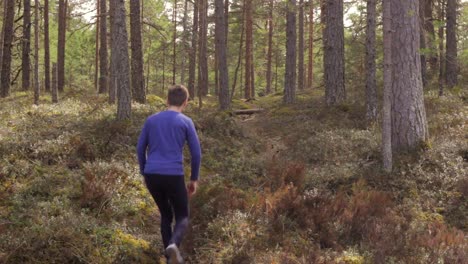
x,y
161,144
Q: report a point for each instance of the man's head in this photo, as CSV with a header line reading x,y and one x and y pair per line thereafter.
x,y
177,95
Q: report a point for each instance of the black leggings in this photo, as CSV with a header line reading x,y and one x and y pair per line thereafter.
x,y
170,194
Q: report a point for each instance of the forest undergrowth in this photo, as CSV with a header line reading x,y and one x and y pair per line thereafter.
x,y
294,184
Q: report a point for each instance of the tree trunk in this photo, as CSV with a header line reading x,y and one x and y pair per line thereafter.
x,y
96,50
137,52
451,44
120,55
62,27
387,89
46,47
409,125
300,54
221,50
239,58
54,83
103,67
270,47
193,51
113,71
26,45
183,54
333,58
202,54
174,38
36,52
430,36
310,74
441,48
8,21
248,48
371,86
290,72
422,41
2,10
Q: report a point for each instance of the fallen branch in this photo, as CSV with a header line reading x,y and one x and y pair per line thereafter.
x,y
247,111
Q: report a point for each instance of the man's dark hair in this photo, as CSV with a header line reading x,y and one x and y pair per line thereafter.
x,y
177,95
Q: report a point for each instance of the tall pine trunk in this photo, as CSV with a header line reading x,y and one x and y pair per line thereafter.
x,y
112,69
451,44
120,55
248,48
26,45
409,125
46,47
430,37
422,41
440,34
270,47
96,49
202,50
310,68
290,72
387,88
333,58
62,27
193,51
8,21
138,86
36,52
371,86
174,38
221,50
103,67
300,52
185,47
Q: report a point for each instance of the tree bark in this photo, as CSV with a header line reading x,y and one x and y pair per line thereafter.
x,y
46,47
202,53
310,74
62,27
430,36
451,45
300,73
174,46
409,125
96,50
183,54
54,83
137,52
239,58
422,41
387,89
221,50
8,21
26,45
193,51
371,85
441,48
120,55
333,58
248,48
36,52
103,66
270,47
113,71
290,72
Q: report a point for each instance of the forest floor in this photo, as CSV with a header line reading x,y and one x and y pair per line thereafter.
x,y
293,184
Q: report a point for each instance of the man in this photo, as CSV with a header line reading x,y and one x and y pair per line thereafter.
x,y
160,156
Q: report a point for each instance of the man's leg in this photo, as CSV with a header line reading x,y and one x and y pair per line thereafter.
x,y
179,201
158,189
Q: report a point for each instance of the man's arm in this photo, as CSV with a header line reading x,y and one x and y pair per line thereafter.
x,y
195,151
141,147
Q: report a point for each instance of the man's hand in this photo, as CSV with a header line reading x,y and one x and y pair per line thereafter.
x,y
192,188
